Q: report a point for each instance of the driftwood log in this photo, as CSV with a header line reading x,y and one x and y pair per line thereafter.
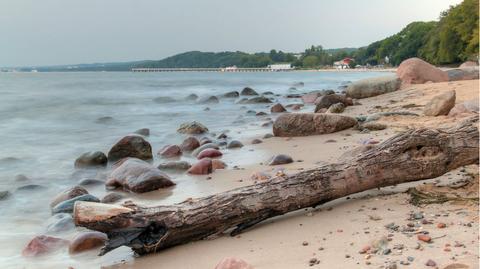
x,y
413,155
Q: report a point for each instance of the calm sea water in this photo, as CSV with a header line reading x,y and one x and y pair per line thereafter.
x,y
49,119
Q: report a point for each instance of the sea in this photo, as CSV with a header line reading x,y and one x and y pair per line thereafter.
x,y
47,120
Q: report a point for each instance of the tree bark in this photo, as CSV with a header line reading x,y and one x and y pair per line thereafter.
x,y
413,155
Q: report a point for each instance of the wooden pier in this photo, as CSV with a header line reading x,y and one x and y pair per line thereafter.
x,y
259,69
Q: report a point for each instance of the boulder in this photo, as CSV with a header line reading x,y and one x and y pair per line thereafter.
x,y
189,144
87,241
304,124
68,194
175,166
233,263
67,205
143,131
60,223
191,97
467,73
440,104
43,244
326,101
192,128
205,146
164,100
468,64
280,159
256,100
417,71
90,182
310,97
336,108
208,100
131,146
202,167
248,91
137,176
234,144
232,94
373,86
170,151
277,108
91,159
112,198
209,153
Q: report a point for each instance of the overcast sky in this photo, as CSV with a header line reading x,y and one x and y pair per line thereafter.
x,y
48,32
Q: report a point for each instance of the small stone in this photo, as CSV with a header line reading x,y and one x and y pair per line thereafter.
x,y
441,225
424,238
304,243
256,141
280,159
431,263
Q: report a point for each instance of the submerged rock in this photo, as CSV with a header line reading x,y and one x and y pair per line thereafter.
x,y
417,71
191,97
189,144
67,205
112,198
68,194
87,241
60,223
232,94
440,104
277,108
205,146
256,100
373,86
248,91
131,146
208,100
4,195
234,144
43,244
104,120
175,166
138,176
170,151
192,128
304,124
90,182
143,131
91,159
164,100
209,153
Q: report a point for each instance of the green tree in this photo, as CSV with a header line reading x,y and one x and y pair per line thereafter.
x,y
310,61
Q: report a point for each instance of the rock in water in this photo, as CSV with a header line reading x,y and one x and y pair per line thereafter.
x,y
43,244
248,91
191,97
143,131
111,198
138,176
170,151
175,166
327,100
440,104
277,108
256,100
310,97
91,159
209,100
209,153
336,108
304,124
417,71
68,194
233,263
232,94
234,144
202,167
131,146
467,73
67,206
373,86
87,241
189,144
192,128
164,100
204,146
60,223
280,159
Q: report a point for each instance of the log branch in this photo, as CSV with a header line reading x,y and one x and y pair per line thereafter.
x,y
413,155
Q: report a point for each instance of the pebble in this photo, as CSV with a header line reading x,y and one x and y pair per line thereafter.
x,y
424,238
431,263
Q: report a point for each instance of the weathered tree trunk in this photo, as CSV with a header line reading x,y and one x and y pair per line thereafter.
x,y
413,155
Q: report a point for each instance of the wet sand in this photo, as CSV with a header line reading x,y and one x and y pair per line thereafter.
x,y
335,232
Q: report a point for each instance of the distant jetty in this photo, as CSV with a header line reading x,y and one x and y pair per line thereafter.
x,y
270,68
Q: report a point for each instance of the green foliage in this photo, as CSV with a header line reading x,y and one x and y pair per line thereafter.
x,y
310,61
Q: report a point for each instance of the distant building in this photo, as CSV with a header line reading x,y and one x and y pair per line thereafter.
x,y
280,67
343,64
230,68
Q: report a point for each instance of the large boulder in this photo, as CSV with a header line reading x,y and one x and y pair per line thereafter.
x,y
309,98
468,64
373,86
189,144
417,71
467,73
326,101
336,108
170,151
137,176
91,159
192,128
440,104
202,167
248,91
277,108
131,146
87,241
304,124
43,244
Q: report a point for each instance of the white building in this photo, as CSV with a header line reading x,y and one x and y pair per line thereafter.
x,y
280,67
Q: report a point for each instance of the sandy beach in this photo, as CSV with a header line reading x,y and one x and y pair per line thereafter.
x,y
334,233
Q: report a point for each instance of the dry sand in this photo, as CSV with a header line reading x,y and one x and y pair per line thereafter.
x,y
335,232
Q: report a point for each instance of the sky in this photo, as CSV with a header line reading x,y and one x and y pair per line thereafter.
x,y
53,32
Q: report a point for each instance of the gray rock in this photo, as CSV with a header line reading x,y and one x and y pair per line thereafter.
x,y
467,73
91,159
208,100
67,206
131,146
164,100
60,222
4,195
248,91
256,100
280,159
90,182
374,126
112,198
143,131
373,86
175,166
232,94
234,144
192,128
191,97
